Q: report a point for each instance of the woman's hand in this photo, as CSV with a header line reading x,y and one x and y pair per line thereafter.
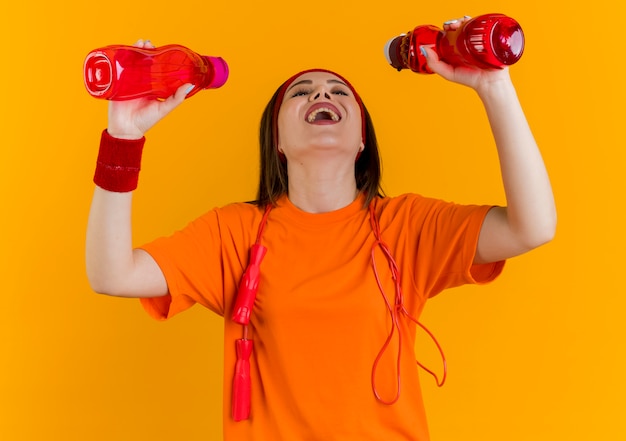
x,y
133,118
470,76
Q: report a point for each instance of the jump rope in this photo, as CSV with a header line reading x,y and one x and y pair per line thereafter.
x,y
244,303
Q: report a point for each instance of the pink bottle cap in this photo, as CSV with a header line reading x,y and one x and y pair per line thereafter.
x,y
220,72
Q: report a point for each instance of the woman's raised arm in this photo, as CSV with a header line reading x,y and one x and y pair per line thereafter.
x,y
113,266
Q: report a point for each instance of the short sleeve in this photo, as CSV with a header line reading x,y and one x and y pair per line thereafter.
x,y
447,246
191,262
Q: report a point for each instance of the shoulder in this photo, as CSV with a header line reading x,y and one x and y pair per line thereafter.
x,y
416,203
417,210
237,216
409,203
238,210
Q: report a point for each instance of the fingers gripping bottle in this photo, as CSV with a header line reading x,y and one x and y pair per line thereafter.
x,y
120,72
489,41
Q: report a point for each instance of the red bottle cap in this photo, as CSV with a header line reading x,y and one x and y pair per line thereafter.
x,y
98,73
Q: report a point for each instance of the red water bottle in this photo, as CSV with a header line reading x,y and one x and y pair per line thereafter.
x,y
489,41
120,72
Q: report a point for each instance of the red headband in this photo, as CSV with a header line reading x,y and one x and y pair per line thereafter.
x,y
285,86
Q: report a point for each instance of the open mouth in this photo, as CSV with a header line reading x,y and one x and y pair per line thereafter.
x,y
323,113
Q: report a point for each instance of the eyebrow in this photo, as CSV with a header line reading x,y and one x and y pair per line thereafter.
x,y
311,82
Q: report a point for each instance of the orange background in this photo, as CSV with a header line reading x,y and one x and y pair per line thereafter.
x,y
538,355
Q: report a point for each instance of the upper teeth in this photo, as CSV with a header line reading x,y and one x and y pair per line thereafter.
x,y
332,114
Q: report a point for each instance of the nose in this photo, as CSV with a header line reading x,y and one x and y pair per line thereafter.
x,y
318,94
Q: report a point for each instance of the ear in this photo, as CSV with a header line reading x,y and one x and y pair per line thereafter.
x,y
358,154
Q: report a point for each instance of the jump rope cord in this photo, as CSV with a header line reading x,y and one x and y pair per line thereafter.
x,y
259,235
395,311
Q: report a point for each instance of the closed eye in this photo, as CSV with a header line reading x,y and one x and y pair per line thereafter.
x,y
300,92
304,92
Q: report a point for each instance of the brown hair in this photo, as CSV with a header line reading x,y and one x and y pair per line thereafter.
x,y
273,179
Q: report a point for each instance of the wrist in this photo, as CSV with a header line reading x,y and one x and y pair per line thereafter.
x,y
496,89
121,134
119,163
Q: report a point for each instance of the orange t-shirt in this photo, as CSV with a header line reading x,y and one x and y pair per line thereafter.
x,y
320,319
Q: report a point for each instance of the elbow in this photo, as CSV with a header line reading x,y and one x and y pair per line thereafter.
x,y
95,278
549,228
108,290
542,234
551,233
103,284
542,239
99,286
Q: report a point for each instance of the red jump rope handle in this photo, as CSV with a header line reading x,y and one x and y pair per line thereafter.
x,y
248,286
241,382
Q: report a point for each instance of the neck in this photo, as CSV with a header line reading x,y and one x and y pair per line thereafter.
x,y
322,189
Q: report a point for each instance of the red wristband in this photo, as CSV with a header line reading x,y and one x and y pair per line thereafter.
x,y
119,162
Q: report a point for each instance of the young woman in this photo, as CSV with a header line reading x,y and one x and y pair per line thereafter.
x,y
324,348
